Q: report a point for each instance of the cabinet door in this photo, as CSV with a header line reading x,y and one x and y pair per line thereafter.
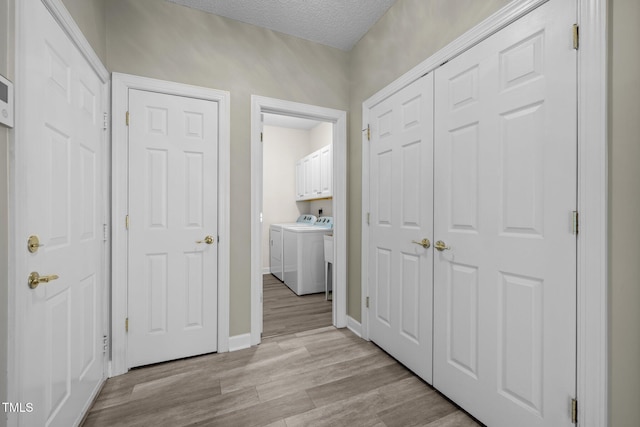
x,y
299,180
308,173
326,171
315,175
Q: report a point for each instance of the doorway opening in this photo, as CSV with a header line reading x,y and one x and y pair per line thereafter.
x,y
297,132
297,218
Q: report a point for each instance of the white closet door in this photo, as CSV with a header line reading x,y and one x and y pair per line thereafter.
x,y
173,209
400,276
505,189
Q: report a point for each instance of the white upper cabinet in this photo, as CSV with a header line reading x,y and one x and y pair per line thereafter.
x,y
314,175
299,180
326,171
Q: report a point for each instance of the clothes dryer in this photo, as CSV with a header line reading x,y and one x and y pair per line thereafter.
x,y
275,243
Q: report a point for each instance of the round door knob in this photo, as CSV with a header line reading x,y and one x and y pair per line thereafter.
x,y
441,246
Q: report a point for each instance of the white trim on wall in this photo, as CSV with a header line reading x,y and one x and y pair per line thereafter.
x,y
592,357
239,342
260,105
121,84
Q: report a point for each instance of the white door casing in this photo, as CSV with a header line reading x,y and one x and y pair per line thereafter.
x,y
401,195
122,84
505,189
260,105
60,160
173,150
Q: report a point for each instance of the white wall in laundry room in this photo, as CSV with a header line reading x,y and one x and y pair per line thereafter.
x,y
282,147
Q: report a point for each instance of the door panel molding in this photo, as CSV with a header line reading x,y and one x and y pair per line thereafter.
x,y
121,84
592,300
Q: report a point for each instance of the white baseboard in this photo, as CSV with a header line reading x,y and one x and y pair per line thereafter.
x,y
239,342
266,270
354,326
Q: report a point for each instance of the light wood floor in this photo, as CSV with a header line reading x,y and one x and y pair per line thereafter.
x,y
318,377
284,312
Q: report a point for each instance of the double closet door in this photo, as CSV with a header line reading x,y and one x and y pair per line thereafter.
x,y
478,158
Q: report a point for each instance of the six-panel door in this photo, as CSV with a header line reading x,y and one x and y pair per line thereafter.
x,y
173,149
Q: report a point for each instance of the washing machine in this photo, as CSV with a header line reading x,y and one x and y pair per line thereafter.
x,y
304,256
275,243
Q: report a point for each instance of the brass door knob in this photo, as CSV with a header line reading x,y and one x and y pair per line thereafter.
x,y
35,279
208,240
425,243
441,246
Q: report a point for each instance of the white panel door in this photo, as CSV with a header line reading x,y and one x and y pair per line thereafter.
x,y
62,361
401,194
505,189
173,251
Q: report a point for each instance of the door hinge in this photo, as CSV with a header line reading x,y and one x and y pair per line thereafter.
x,y
366,302
574,411
126,222
368,218
575,226
127,118
105,121
126,324
368,129
261,137
576,36
104,232
105,344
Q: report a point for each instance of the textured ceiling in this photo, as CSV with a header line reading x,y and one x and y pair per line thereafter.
x,y
336,23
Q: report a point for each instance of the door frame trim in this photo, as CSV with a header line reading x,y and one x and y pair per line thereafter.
x,y
16,188
121,84
592,243
259,105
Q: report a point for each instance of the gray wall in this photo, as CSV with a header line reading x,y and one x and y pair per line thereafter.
x,y
410,32
162,40
624,212
90,17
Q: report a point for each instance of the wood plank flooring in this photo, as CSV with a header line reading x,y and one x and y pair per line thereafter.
x,y
305,373
284,312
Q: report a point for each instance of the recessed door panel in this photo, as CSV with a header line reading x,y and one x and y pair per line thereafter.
x,y
411,189
384,187
156,282
194,191
157,183
462,321
194,280
523,171
521,340
464,178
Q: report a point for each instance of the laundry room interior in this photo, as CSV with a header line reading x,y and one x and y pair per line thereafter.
x,y
297,231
